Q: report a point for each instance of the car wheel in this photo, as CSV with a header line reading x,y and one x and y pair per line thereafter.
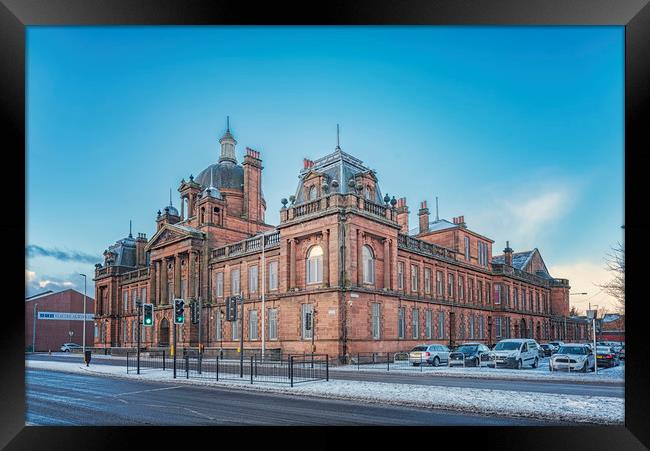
x,y
477,362
550,367
584,368
436,361
535,363
519,364
67,350
415,364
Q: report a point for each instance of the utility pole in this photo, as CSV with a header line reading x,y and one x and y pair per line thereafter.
x,y
263,294
139,306
241,338
34,330
84,322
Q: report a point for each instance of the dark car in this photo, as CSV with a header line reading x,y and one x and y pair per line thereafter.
x,y
547,350
605,356
468,354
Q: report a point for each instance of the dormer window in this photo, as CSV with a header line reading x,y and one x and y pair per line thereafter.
x,y
312,193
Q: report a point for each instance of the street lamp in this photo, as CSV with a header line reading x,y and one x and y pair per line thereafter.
x,y
84,321
34,330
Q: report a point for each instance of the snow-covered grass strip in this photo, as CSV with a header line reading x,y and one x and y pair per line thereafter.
x,y
554,407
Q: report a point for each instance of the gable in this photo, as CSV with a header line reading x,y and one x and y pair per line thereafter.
x,y
536,263
167,234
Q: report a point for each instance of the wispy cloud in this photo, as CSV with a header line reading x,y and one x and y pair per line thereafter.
x,y
34,250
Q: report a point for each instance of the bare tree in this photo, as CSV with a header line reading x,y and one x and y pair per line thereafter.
x,y
615,287
575,311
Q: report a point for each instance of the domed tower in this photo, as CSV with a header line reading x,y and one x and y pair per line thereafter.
x,y
169,214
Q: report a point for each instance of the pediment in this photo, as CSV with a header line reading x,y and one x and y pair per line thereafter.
x,y
164,236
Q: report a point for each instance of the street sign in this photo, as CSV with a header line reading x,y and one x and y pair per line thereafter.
x,y
591,314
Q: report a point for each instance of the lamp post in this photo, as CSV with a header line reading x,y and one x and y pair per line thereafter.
x,y
84,321
34,330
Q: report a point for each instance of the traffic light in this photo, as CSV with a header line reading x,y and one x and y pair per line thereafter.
x,y
196,312
147,318
179,314
231,308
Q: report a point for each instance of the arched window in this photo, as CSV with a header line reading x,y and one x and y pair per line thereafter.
x,y
368,193
312,193
368,265
163,337
315,265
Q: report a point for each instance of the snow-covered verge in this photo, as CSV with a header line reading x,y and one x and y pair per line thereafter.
x,y
541,373
554,407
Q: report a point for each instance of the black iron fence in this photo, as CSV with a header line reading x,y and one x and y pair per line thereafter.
x,y
385,361
290,369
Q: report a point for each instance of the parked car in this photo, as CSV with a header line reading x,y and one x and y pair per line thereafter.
x,y
556,344
547,349
468,354
516,353
432,354
67,347
573,357
605,356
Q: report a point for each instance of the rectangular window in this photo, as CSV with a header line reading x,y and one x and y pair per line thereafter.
x,y
497,293
480,328
450,285
400,275
124,333
273,276
439,283
170,291
471,327
252,279
481,254
307,320
219,284
125,300
252,325
523,299
487,293
507,295
273,323
497,325
375,321
515,297
415,318
427,280
234,282
218,334
537,302
414,278
143,295
470,290
480,292
466,248
401,322
461,288
441,324
235,326
428,320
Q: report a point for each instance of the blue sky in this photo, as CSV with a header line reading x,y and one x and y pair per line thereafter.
x,y
519,129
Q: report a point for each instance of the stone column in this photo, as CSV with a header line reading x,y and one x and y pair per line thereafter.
x,y
359,257
292,263
177,276
326,258
387,260
152,282
164,295
191,285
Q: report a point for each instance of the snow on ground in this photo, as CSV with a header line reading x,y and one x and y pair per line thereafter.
x,y
541,373
555,407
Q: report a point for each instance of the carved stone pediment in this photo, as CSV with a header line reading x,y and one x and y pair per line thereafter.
x,y
165,236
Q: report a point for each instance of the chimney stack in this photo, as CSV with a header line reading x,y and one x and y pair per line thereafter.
x,y
507,253
423,216
307,163
403,215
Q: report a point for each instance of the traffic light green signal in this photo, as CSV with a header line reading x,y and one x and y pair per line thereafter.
x,y
179,315
147,319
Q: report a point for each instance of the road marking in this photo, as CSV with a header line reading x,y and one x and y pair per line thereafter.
x,y
198,413
123,400
141,391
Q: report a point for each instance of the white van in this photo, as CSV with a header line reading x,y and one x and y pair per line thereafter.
x,y
516,353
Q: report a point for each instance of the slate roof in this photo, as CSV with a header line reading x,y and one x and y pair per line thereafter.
x,y
519,259
610,317
441,224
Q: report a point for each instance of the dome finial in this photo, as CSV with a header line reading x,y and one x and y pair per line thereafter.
x,y
228,143
227,123
170,198
130,234
338,144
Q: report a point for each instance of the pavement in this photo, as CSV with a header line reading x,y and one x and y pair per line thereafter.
x,y
59,398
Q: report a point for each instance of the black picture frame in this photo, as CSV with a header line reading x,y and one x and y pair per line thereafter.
x,y
634,15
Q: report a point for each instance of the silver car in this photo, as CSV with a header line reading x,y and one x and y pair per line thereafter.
x,y
573,357
431,354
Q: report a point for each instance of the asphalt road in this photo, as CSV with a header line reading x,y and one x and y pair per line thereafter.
x,y
556,387
58,398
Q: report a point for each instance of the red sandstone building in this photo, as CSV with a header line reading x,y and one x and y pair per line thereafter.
x,y
343,251
56,315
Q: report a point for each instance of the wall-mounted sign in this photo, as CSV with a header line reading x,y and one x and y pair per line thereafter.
x,y
354,295
332,311
65,316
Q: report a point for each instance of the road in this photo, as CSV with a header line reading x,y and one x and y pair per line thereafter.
x,y
555,387
58,398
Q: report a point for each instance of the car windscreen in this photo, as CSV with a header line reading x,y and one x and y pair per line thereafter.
x,y
573,350
419,348
467,349
507,346
603,350
545,346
